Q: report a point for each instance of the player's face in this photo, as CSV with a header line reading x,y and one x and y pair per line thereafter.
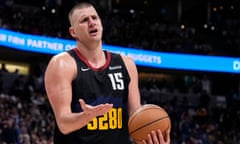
x,y
86,25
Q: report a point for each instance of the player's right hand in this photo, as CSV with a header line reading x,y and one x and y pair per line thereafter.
x,y
93,111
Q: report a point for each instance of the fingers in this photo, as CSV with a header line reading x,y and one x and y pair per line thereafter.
x,y
103,108
168,137
82,103
144,142
95,110
156,137
160,136
150,139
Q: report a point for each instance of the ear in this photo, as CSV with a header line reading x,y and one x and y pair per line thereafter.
x,y
72,32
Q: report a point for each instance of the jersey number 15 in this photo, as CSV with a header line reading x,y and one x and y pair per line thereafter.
x,y
116,80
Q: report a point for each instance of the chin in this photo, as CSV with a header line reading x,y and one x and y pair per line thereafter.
x,y
96,40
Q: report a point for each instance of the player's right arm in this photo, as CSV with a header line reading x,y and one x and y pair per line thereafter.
x,y
59,74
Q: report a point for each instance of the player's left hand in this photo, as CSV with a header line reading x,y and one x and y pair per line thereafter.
x,y
156,137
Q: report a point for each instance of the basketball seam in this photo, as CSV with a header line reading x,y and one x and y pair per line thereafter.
x,y
136,113
148,124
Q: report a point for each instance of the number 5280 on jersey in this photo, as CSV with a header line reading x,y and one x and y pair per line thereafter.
x,y
110,120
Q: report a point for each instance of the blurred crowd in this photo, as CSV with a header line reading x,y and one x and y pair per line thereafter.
x,y
25,115
197,117
134,29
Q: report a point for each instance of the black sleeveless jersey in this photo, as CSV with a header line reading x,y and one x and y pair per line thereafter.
x,y
108,84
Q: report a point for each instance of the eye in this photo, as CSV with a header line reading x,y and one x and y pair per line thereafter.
x,y
84,20
94,17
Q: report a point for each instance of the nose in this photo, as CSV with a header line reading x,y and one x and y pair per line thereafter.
x,y
91,22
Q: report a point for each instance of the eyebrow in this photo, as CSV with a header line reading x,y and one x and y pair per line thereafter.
x,y
88,15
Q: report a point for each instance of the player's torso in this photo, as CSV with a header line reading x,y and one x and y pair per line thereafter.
x,y
108,84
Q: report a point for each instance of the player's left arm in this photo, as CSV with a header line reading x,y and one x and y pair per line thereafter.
x,y
134,100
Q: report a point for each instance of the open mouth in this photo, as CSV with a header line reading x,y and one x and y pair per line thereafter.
x,y
93,31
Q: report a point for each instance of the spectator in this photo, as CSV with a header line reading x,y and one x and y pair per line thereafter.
x,y
3,68
10,133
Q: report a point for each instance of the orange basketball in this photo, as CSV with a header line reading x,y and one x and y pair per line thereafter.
x,y
147,118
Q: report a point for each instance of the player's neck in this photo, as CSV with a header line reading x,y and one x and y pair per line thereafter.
x,y
95,56
90,47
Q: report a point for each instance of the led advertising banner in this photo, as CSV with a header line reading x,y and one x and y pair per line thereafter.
x,y
146,58
34,43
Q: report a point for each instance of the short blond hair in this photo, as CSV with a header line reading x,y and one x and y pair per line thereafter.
x,y
78,5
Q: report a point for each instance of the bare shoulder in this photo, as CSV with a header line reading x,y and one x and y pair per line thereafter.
x,y
130,64
128,60
60,58
61,64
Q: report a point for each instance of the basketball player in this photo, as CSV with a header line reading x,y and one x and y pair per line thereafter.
x,y
92,92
